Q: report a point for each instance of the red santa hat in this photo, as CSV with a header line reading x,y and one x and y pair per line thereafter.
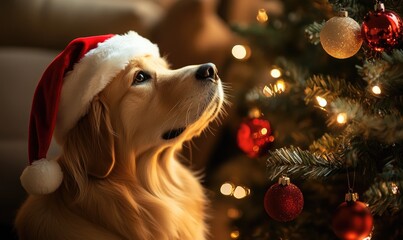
x,y
64,93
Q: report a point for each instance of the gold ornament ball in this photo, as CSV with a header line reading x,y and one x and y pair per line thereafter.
x,y
340,37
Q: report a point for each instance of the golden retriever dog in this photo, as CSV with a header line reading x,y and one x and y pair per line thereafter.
x,y
122,178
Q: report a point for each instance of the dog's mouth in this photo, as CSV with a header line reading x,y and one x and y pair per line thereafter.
x,y
173,133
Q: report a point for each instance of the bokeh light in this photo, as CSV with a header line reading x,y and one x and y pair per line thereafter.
x,y
321,101
376,90
275,73
342,118
227,188
241,52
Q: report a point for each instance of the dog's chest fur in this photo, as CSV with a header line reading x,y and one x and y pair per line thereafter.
x,y
165,201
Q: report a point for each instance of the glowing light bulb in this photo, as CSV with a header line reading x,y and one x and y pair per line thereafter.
x,y
342,118
275,73
280,86
376,90
241,192
321,101
262,16
227,189
234,234
263,131
241,52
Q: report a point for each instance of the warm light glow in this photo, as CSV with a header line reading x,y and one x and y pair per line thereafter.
x,y
255,148
321,101
341,118
267,91
263,131
233,213
241,192
271,90
275,73
395,188
376,90
262,16
280,84
227,188
255,113
241,52
234,234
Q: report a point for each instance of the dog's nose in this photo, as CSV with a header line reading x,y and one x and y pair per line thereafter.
x,y
206,71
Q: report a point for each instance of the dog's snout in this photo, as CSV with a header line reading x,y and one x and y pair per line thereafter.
x,y
206,71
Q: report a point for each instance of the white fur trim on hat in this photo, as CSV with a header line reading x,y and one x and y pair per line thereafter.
x,y
42,177
93,72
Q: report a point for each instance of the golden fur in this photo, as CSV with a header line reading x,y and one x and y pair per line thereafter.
x,y
121,179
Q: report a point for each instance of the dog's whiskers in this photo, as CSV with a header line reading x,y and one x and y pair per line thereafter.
x,y
187,114
171,116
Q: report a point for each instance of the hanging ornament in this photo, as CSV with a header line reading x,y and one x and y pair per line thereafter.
x,y
283,201
254,137
352,220
381,29
340,36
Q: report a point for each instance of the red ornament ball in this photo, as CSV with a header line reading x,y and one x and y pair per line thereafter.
x,y
283,203
254,137
352,220
381,29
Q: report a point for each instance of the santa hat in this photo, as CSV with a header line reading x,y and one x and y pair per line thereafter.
x,y
64,94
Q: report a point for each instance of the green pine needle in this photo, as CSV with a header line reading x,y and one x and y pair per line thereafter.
x,y
312,32
301,163
330,88
384,196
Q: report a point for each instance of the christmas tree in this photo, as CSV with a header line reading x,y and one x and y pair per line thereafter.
x,y
317,98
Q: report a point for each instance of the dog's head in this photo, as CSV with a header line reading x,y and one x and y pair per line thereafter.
x,y
146,106
109,98
151,104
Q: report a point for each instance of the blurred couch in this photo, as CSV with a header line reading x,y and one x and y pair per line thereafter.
x,y
20,70
35,31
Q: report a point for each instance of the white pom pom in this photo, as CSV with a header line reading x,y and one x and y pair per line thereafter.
x,y
42,177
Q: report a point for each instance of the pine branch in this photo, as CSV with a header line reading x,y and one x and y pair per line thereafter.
x,y
287,96
388,129
272,90
384,196
330,88
384,128
293,74
355,9
386,105
301,163
352,110
385,72
312,32
327,143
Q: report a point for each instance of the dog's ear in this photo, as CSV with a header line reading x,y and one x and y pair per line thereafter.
x,y
97,140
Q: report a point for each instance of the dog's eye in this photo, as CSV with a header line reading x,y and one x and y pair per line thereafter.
x,y
140,78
